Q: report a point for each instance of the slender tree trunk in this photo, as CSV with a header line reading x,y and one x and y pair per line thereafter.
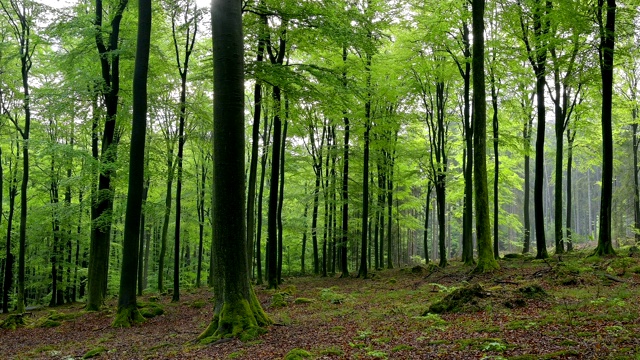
x,y
102,202
143,225
636,183
426,222
167,214
527,185
304,234
177,227
253,166
606,51
127,308
496,162
8,273
344,264
570,138
281,195
263,172
201,217
272,229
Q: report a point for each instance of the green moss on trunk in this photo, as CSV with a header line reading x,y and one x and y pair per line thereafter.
x,y
240,319
485,265
127,316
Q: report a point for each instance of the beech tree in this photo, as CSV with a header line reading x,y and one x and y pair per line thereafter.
x,y
486,260
127,307
607,26
237,312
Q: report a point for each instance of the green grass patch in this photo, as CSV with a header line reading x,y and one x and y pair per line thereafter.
x,y
94,352
401,347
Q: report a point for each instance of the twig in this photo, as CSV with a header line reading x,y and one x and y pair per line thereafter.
x,y
613,278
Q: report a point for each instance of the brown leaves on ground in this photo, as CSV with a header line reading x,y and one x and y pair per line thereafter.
x,y
584,314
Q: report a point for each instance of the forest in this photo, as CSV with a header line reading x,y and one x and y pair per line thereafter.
x,y
406,178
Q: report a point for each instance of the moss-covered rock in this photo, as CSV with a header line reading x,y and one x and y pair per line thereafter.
x,y
532,291
331,296
462,299
150,309
277,300
297,354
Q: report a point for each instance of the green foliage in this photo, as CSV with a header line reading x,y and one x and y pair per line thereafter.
x,y
12,322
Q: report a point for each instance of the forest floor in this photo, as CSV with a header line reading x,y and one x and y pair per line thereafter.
x,y
561,308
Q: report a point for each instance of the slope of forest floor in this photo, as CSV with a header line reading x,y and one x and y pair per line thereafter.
x,y
565,307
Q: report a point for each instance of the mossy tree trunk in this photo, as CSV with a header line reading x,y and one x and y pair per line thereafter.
x,y
128,313
486,260
237,312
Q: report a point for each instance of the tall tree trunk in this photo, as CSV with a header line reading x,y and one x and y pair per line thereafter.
x,y
486,260
272,226
528,126
238,312
606,51
304,234
272,230
281,193
253,166
344,264
382,185
263,172
201,217
102,203
10,259
570,137
127,307
362,272
167,214
143,225
496,162
389,212
636,183
426,222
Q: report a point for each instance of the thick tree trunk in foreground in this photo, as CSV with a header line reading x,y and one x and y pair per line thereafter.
x,y
237,312
486,260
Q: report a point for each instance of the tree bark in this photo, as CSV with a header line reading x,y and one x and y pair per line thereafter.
x,y
238,312
102,202
127,307
486,260
606,51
